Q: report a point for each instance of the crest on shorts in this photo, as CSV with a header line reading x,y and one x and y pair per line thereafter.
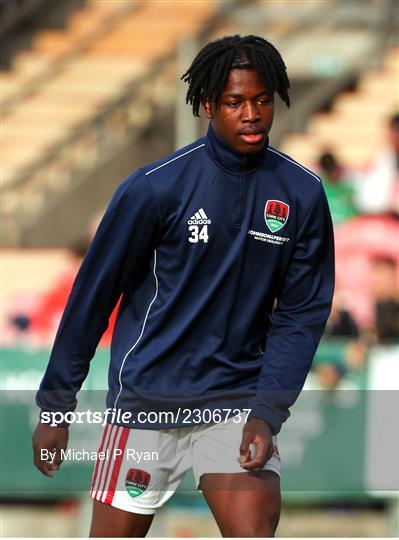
x,y
276,214
137,482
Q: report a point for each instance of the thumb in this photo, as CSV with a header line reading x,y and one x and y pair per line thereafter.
x,y
245,452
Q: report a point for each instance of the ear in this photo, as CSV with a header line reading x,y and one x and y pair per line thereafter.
x,y
208,109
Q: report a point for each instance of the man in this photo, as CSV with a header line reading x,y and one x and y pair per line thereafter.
x,y
378,189
200,245
339,189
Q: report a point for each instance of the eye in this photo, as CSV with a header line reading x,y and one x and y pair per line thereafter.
x,y
264,101
233,104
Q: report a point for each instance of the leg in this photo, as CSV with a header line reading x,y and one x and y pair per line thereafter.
x,y
112,522
244,504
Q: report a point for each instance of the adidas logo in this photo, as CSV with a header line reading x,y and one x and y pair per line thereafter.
x,y
199,218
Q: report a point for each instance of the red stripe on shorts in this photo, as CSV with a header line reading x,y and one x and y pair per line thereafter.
x,y
103,462
110,457
117,466
93,482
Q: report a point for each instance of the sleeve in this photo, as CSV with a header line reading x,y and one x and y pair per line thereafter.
x,y
303,306
122,248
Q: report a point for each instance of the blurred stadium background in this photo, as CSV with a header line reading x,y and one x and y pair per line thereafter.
x,y
90,90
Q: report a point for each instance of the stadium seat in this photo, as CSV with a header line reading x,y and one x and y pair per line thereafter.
x,y
356,125
111,58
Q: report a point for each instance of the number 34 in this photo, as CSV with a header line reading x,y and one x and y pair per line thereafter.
x,y
196,234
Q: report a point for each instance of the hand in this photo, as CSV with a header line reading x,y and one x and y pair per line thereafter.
x,y
47,443
256,432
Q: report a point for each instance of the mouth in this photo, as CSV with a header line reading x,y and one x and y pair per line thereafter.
x,y
253,137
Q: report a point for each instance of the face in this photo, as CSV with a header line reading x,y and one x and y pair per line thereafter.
x,y
244,115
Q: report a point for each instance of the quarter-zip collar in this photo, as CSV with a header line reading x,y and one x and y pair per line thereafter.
x,y
229,159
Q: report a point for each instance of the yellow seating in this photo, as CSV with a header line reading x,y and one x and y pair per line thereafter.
x,y
355,128
97,74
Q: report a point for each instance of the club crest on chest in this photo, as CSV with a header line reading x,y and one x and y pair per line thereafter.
x,y
276,214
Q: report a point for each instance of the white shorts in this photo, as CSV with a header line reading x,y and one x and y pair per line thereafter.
x,y
138,470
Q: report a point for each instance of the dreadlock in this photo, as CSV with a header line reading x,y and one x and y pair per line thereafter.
x,y
207,76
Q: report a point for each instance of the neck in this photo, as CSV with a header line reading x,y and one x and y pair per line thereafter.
x,y
228,158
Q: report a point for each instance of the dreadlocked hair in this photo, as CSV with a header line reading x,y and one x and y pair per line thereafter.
x,y
208,74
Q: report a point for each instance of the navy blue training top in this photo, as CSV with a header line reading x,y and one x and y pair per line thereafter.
x,y
225,263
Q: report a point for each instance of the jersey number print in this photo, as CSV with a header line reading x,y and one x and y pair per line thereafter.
x,y
198,234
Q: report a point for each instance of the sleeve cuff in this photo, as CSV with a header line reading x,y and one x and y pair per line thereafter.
x,y
272,418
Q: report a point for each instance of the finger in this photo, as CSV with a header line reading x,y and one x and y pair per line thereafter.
x,y
257,458
47,470
247,438
244,457
41,464
253,465
45,467
53,465
58,459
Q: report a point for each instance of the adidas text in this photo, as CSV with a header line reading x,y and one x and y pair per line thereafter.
x,y
199,222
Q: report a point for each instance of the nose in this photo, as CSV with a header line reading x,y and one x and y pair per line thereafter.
x,y
250,112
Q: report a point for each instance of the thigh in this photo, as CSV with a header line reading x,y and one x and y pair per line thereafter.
x,y
244,504
108,521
